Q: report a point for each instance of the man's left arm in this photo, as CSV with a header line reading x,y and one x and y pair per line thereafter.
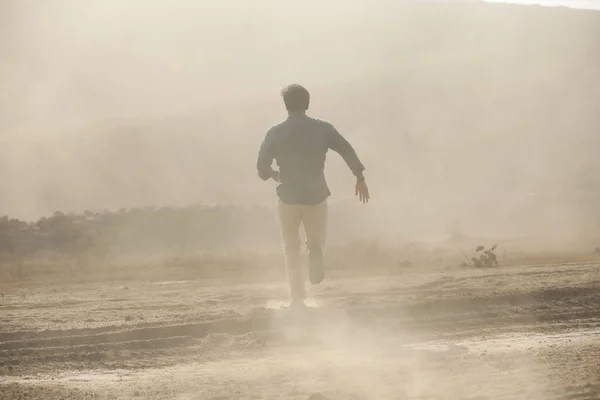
x,y
265,159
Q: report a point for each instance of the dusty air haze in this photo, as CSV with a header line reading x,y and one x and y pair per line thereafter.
x,y
460,111
140,254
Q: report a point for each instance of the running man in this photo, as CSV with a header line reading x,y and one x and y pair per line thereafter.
x,y
299,145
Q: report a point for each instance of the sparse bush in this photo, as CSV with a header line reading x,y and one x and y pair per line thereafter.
x,y
147,230
487,258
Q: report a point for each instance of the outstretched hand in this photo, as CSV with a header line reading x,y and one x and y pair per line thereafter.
x,y
275,175
362,191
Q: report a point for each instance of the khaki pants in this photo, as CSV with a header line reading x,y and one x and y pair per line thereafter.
x,y
314,219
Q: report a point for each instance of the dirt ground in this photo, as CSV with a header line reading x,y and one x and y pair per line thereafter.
x,y
517,332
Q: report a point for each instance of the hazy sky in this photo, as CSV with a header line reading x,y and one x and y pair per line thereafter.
x,y
585,4
104,103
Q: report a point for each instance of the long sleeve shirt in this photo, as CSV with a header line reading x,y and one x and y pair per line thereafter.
x,y
299,146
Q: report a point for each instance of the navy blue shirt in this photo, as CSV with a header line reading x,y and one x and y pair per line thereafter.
x,y
299,145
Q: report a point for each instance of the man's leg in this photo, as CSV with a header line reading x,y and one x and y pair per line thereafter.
x,y
290,217
314,219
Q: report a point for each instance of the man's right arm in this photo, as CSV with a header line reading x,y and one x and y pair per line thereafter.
x,y
340,145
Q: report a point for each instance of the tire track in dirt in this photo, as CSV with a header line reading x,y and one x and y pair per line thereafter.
x,y
479,332
193,330
545,310
447,308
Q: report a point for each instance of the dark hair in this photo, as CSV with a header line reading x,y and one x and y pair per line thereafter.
x,y
296,98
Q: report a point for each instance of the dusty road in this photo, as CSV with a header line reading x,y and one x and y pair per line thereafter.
x,y
527,332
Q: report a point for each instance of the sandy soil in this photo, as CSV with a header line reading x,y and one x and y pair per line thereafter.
x,y
519,332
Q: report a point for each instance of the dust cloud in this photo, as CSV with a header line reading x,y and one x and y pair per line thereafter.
x,y
472,119
479,117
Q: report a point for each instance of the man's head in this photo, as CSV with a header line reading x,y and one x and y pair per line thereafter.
x,y
296,98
